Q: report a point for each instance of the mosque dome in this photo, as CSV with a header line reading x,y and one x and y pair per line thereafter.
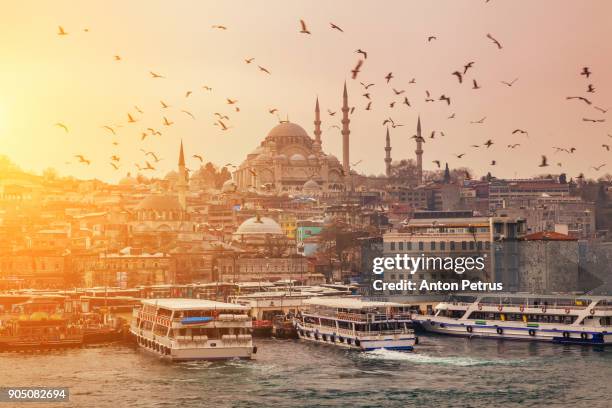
x,y
297,158
171,175
160,203
311,186
332,159
259,226
285,129
229,186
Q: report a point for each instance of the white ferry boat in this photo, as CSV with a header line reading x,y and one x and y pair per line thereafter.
x,y
357,324
571,320
193,329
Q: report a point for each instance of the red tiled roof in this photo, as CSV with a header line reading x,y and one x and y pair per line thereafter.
x,y
548,236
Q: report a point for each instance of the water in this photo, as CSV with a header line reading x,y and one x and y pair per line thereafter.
x,y
444,372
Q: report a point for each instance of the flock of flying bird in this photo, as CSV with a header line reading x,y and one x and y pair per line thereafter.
x,y
222,120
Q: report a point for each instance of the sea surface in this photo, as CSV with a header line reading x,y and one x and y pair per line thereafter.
x,y
443,372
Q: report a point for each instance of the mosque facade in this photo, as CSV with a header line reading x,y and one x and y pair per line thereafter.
x,y
288,160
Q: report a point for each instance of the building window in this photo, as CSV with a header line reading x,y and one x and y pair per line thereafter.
x,y
471,245
443,246
463,245
408,246
479,245
401,246
487,245
452,245
392,246
432,245
421,245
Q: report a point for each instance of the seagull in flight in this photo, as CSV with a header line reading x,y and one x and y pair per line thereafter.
x,y
59,124
490,37
362,52
304,28
335,27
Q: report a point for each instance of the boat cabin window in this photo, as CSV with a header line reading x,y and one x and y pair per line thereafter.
x,y
453,314
606,321
344,325
537,318
164,312
328,322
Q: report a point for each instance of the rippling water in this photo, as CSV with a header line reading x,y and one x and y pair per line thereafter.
x,y
444,371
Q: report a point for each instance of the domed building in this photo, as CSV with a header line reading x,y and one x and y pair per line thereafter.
x,y
162,218
229,187
260,232
288,158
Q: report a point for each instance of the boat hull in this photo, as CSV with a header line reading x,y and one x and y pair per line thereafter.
x,y
19,345
562,335
185,353
402,342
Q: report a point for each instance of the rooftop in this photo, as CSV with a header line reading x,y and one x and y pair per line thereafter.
x,y
192,304
548,236
348,303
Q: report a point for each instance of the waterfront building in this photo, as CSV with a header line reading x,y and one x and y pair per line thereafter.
x,y
458,234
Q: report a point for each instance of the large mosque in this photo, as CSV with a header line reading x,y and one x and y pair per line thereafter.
x,y
288,160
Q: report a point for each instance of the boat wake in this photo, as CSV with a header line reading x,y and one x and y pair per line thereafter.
x,y
418,358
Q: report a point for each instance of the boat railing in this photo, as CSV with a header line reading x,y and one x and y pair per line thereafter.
x,y
351,332
532,306
384,332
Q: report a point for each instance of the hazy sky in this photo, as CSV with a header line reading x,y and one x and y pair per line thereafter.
x,y
46,78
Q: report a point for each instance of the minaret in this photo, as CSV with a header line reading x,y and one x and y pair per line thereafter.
x,y
447,176
317,129
419,153
388,155
345,133
181,184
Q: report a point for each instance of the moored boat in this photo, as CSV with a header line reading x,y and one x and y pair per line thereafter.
x,y
39,334
558,319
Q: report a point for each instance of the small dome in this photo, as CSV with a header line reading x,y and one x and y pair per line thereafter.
x,y
160,203
172,175
287,129
312,157
259,226
229,186
280,157
311,186
297,158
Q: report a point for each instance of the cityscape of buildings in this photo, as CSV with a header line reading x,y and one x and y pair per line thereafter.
x,y
291,212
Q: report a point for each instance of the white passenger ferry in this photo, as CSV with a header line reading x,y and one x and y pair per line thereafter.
x,y
571,320
357,324
193,329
